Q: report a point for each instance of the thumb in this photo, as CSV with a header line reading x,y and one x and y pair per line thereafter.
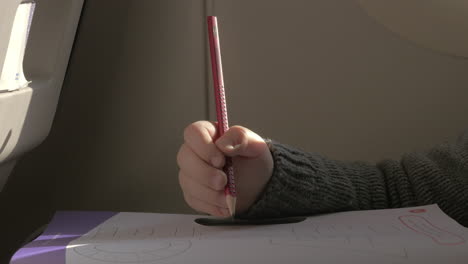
x,y
241,141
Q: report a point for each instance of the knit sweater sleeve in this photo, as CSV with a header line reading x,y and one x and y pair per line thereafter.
x,y
307,183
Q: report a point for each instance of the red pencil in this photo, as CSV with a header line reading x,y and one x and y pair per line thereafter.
x,y
221,108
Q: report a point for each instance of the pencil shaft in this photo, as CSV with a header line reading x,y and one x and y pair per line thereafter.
x,y
221,107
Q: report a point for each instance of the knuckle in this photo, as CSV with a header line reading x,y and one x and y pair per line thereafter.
x,y
193,132
216,182
220,197
217,186
181,180
180,154
240,131
188,131
215,198
189,201
193,129
237,128
194,204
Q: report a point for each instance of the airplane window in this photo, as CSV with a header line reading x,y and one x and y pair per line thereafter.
x,y
12,75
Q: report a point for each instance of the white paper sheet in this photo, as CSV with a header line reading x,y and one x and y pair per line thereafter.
x,y
408,235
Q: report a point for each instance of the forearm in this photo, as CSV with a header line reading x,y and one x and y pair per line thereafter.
x,y
306,184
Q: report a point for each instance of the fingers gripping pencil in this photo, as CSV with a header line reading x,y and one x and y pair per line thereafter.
x,y
221,108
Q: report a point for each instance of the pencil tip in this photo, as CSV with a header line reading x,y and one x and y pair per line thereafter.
x,y
231,203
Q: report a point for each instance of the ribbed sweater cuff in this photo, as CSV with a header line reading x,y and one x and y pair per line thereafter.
x,y
305,183
298,186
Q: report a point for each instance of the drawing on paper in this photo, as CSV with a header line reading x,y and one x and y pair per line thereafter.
x,y
128,238
422,226
136,252
128,245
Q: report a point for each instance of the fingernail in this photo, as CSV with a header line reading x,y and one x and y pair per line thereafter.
x,y
220,180
233,147
217,161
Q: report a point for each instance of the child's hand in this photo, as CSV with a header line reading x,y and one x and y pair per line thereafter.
x,y
201,161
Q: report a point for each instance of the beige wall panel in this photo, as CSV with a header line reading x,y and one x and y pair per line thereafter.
x,y
324,76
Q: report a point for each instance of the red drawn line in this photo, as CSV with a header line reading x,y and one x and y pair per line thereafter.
x,y
458,239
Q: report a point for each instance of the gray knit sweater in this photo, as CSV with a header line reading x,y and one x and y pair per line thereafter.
x,y
306,183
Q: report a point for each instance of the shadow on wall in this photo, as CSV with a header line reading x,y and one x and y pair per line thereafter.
x,y
5,142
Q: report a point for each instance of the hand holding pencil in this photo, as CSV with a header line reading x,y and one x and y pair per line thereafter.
x,y
201,159
251,154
